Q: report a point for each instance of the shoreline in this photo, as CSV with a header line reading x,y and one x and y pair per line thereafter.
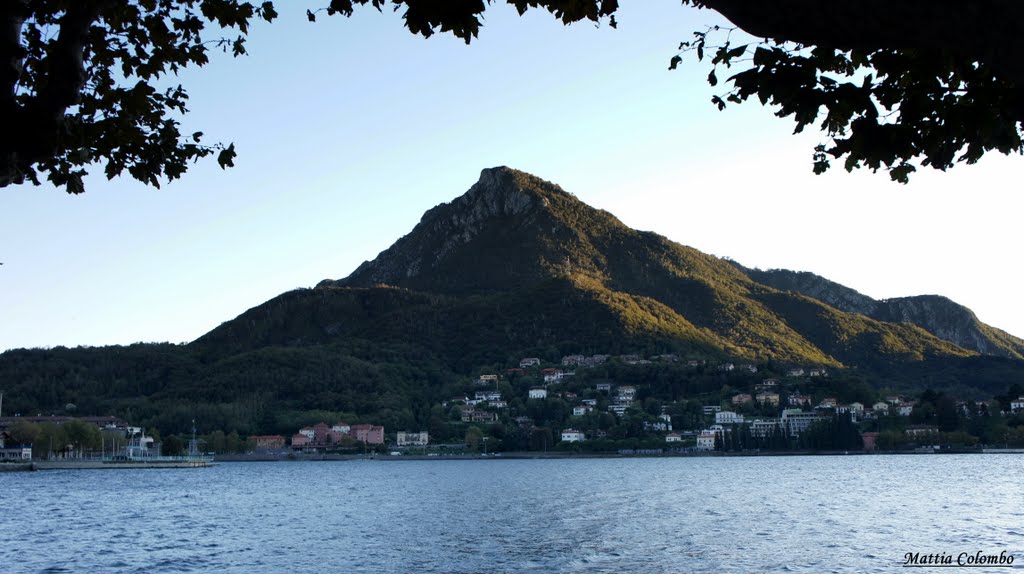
x,y
293,457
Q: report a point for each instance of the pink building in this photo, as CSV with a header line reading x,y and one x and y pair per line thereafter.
x,y
299,440
369,434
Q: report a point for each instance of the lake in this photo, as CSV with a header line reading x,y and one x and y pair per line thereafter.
x,y
703,514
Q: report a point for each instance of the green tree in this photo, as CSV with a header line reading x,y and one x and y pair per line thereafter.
x,y
82,435
541,439
474,436
51,441
78,80
24,432
172,446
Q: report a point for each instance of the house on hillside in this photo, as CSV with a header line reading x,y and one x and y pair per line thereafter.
x,y
572,435
405,438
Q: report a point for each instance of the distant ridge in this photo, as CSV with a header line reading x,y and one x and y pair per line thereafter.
x,y
936,314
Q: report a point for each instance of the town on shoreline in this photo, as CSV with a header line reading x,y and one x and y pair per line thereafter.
x,y
599,405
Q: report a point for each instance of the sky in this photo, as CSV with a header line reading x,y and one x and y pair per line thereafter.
x,y
347,130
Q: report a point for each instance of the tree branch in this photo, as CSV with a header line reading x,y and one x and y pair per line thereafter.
x,y
986,29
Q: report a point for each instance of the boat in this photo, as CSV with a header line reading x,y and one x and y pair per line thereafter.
x,y
135,455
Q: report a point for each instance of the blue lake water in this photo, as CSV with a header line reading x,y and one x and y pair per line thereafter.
x,y
744,514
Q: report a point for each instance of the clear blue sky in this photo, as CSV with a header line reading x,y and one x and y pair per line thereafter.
x,y
349,129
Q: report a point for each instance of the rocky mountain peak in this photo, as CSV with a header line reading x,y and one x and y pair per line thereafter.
x,y
503,206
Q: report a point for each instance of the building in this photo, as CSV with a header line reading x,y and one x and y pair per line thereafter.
x,y
369,434
1017,405
795,421
905,409
603,387
706,440
763,429
572,435
767,398
673,437
300,440
711,409
627,392
796,372
728,418
307,432
343,428
919,431
487,396
412,438
618,408
538,394
741,399
798,400
570,360
484,380
484,417
881,407
658,426
870,439
579,411
268,442
552,375
529,362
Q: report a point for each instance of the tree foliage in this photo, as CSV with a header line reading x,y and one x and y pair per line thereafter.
x,y
85,82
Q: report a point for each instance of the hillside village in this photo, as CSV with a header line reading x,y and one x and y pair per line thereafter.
x,y
581,404
631,404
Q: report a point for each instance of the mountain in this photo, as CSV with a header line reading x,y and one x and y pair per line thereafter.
x,y
517,265
938,315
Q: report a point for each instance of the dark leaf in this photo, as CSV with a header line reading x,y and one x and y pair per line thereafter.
x,y
226,157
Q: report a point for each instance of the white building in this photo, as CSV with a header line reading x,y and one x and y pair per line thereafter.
x,y
618,408
673,437
538,393
579,411
572,435
1017,405
795,421
706,440
413,438
728,418
762,429
529,362
488,395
